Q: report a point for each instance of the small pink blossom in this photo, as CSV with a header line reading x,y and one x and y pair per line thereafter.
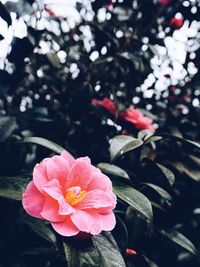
x,y
136,117
165,2
131,115
72,194
106,103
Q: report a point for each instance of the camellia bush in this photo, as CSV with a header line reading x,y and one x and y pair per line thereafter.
x,y
99,134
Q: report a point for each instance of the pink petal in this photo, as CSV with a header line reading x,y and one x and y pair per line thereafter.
x,y
33,200
85,159
40,177
79,175
50,210
64,207
83,220
66,155
98,199
53,189
58,168
108,221
65,228
99,181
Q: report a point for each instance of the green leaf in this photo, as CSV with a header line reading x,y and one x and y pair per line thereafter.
x,y
144,134
104,252
108,251
168,174
113,169
188,143
120,234
71,255
12,187
180,240
152,138
134,198
7,126
45,143
40,228
188,169
164,194
53,59
122,144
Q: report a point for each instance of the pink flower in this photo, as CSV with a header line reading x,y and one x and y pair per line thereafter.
x,y
177,21
136,117
131,115
72,194
165,2
106,103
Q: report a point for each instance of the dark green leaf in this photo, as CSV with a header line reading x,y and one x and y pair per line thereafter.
x,y
120,234
40,228
12,187
45,143
168,174
104,252
113,169
7,126
180,240
187,168
164,194
134,198
122,144
188,143
108,251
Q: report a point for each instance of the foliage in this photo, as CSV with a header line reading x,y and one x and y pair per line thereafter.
x,y
47,84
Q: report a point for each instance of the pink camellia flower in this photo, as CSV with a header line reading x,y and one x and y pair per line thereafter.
x,y
72,194
136,117
106,103
131,115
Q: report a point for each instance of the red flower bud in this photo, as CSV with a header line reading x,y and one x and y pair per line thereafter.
x,y
130,252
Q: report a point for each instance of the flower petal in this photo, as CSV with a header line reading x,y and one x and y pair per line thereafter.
x,y
93,222
58,168
40,177
98,199
99,181
108,221
79,175
64,207
65,228
53,189
50,210
86,159
66,155
33,200
83,220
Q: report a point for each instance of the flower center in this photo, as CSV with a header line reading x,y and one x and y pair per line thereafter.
x,y
74,195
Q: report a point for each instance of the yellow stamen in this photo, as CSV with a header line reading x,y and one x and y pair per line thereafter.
x,y
73,198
